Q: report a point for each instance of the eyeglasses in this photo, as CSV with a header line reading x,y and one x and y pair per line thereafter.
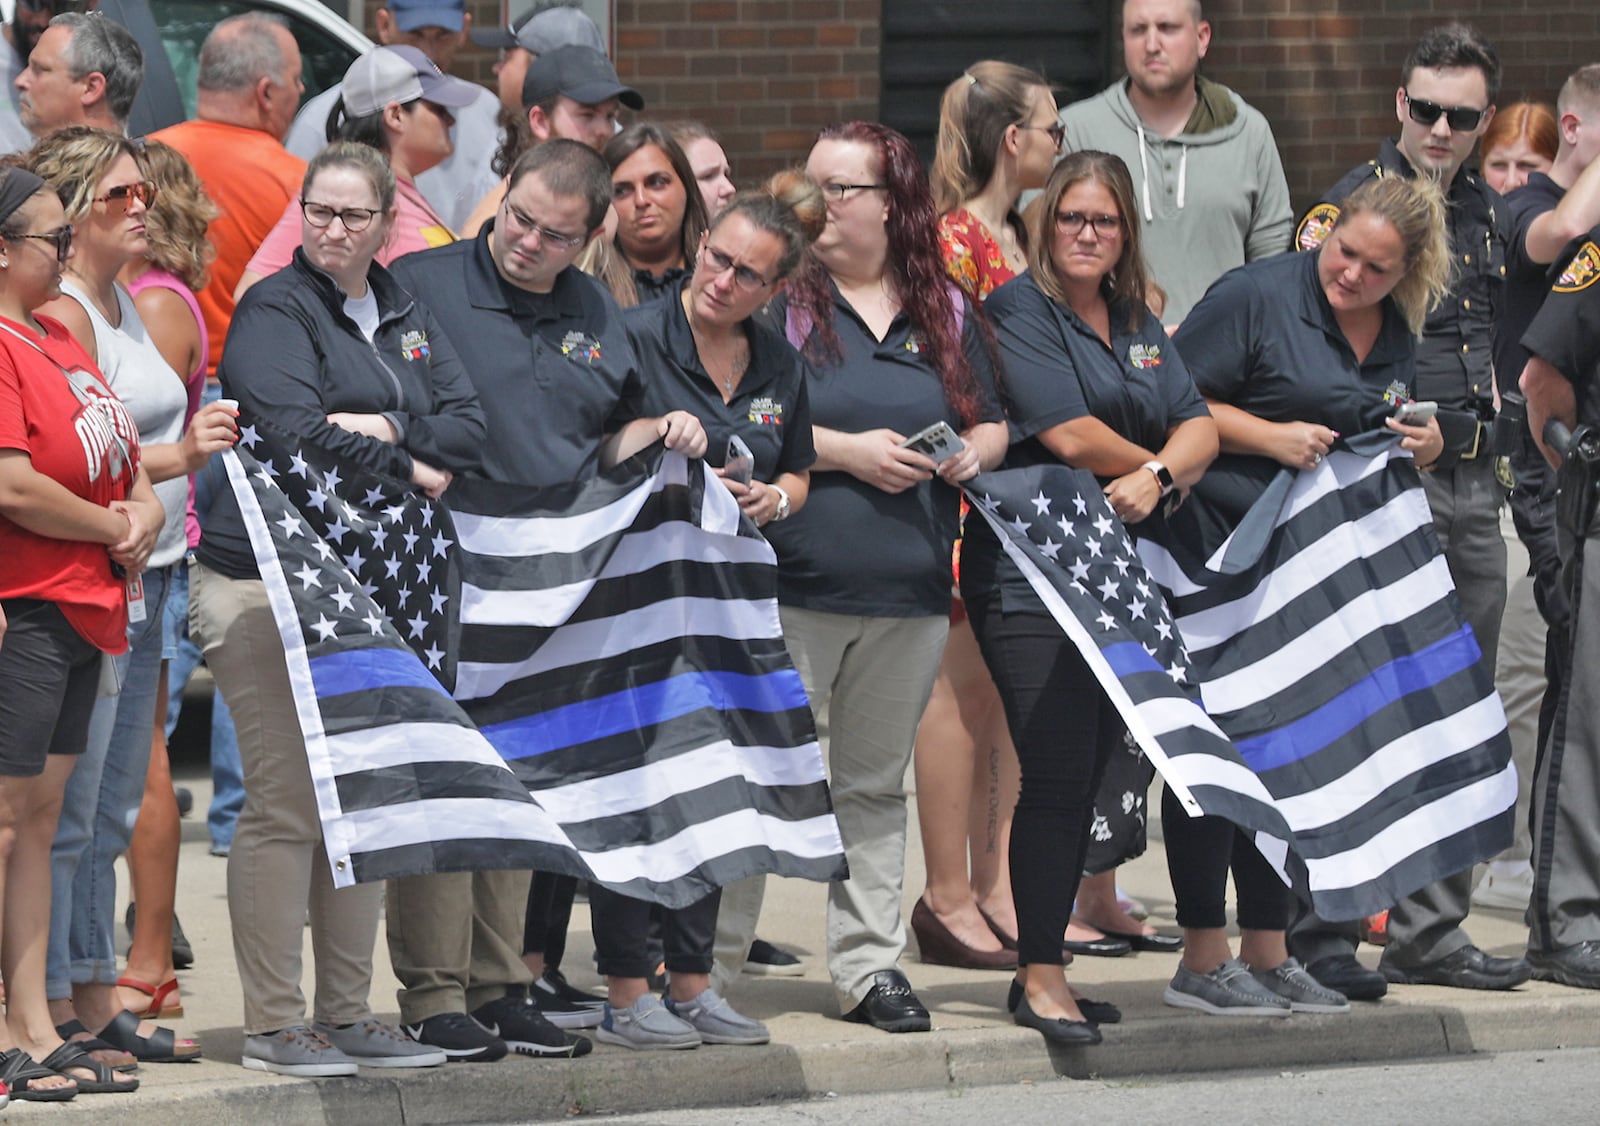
x,y
1463,119
718,263
1057,133
555,238
1072,223
355,219
837,192
61,237
124,194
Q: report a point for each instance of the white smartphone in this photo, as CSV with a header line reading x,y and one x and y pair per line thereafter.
x,y
937,441
1416,413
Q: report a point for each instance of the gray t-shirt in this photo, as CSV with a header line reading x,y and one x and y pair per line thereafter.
x,y
14,136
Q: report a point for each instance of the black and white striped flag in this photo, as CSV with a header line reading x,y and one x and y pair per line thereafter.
x,y
1328,643
617,640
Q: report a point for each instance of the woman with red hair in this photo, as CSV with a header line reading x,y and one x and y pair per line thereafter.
x,y
1521,138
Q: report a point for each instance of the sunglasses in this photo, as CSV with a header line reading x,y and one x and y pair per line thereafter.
x,y
61,238
1463,119
124,194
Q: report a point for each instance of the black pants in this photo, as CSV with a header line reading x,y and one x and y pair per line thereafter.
x,y
1200,851
622,934
1064,727
549,911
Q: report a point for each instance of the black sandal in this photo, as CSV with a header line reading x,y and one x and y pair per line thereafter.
x,y
70,1055
18,1070
92,1043
123,1032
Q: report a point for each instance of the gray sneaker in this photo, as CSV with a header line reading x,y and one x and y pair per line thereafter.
x,y
1304,993
646,1025
1227,991
371,1043
718,1022
300,1051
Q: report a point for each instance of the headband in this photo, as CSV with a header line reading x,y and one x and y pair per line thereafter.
x,y
16,188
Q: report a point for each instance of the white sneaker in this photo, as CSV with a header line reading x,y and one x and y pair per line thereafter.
x,y
1505,890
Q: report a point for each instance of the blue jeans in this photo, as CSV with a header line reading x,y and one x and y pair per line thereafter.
x,y
100,807
227,772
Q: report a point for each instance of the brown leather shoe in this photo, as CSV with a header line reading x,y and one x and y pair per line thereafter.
x,y
937,946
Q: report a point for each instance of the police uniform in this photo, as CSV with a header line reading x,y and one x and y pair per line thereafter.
x,y
1454,369
1564,915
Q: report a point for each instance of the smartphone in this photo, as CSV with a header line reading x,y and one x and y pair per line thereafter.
x,y
937,441
1416,413
738,464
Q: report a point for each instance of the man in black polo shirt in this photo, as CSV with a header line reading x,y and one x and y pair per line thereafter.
x,y
547,352
1444,103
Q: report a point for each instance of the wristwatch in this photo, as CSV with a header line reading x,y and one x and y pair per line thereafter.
x,y
1163,475
783,503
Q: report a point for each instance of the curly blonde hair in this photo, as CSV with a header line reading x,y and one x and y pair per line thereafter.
x,y
1415,208
177,222
73,160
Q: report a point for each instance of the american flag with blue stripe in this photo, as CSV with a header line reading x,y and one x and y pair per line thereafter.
x,y
624,708
1327,641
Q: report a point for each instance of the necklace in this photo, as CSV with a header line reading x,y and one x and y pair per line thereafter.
x,y
737,363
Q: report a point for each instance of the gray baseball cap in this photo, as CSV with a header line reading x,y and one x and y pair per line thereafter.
x,y
543,31
401,74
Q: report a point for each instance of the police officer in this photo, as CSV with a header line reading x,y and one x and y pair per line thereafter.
x,y
1444,103
1562,382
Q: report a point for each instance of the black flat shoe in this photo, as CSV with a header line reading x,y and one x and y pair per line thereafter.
x,y
1107,947
1150,943
1095,1012
891,1006
1069,1033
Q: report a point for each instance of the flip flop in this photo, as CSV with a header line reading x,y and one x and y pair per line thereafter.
x,y
163,1047
105,1082
93,1043
157,1009
18,1070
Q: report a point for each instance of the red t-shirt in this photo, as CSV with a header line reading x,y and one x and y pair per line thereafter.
x,y
80,435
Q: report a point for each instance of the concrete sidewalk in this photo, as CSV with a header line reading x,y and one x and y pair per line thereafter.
x,y
973,1042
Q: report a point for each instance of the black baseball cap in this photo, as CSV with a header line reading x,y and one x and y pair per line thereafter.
x,y
580,73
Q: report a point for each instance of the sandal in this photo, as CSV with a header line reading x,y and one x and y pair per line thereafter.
x,y
163,1047
105,1082
18,1070
93,1043
157,1009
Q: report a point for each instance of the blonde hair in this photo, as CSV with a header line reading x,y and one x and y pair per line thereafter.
x,y
789,206
1415,208
604,262
177,222
974,114
73,160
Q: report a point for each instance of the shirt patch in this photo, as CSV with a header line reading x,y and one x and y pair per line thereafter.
x,y
1582,272
765,411
1314,228
1396,393
1145,356
414,344
916,344
575,345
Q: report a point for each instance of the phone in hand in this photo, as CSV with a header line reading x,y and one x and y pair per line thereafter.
x,y
738,464
937,441
1416,413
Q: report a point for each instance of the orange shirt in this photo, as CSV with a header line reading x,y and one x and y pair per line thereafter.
x,y
251,177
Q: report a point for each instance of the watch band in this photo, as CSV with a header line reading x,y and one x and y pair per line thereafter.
x,y
1163,475
783,502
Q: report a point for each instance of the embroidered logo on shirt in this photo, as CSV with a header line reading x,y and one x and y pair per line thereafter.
x,y
766,412
1315,226
414,344
1582,272
1396,393
916,344
575,345
1145,355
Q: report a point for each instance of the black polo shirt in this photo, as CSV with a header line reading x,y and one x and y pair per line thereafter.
x,y
854,549
1566,331
1264,339
1527,282
1454,358
769,409
651,288
555,371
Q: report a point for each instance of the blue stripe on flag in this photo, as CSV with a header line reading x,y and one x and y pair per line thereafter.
x,y
634,709
1129,657
1356,704
359,670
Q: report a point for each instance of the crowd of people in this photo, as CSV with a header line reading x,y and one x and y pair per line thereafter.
x,y
432,280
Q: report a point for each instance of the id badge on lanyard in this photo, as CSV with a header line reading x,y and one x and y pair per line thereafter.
x,y
135,589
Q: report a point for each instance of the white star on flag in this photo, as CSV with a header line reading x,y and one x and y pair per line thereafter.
x,y
298,466
308,577
435,655
290,525
1102,524
323,626
345,599
1041,504
442,545
374,620
1051,549
417,623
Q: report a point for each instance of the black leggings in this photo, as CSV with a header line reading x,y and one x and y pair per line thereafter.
x,y
1064,727
1200,851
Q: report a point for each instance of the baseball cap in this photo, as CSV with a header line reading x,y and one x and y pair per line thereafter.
x,y
543,31
581,73
410,15
400,74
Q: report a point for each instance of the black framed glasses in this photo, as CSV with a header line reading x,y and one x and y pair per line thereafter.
x,y
526,225
355,219
837,192
1462,119
1071,223
718,263
1057,133
123,195
61,237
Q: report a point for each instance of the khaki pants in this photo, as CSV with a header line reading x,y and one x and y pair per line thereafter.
x,y
1519,675
455,940
278,868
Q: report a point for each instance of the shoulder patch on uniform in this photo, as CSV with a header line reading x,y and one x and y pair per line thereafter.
x,y
1315,226
1582,272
